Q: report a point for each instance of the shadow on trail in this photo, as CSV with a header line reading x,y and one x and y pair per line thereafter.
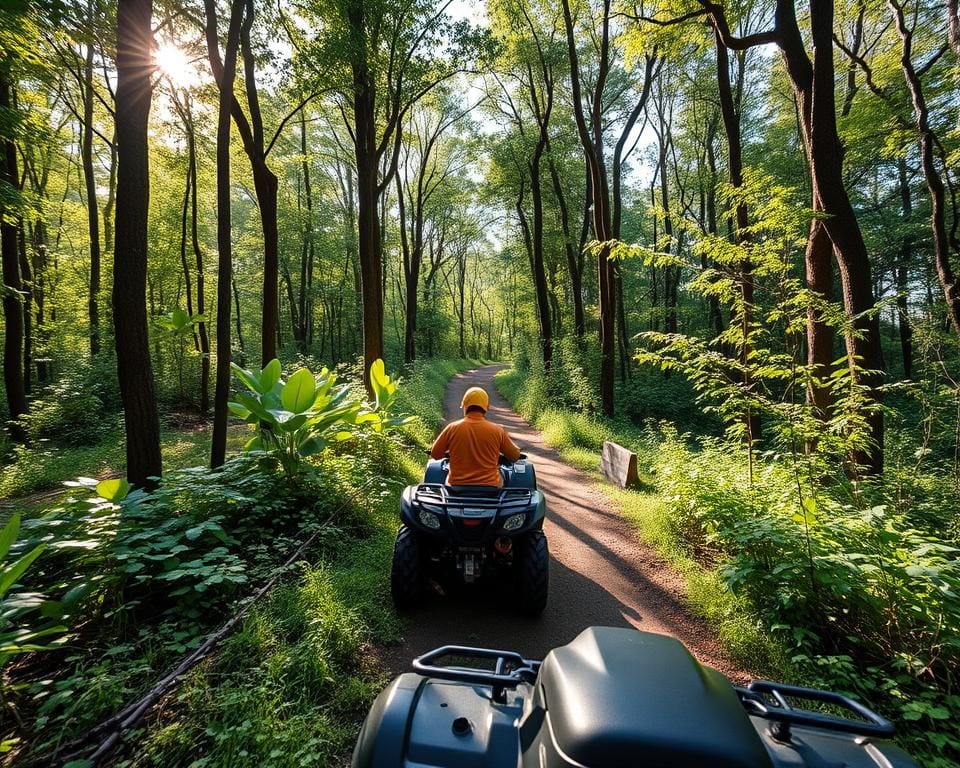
x,y
485,616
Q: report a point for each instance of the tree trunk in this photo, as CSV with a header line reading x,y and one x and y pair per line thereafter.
x,y
574,267
365,147
826,161
906,251
134,370
225,82
927,140
198,255
27,288
12,303
93,211
729,112
537,266
305,331
599,194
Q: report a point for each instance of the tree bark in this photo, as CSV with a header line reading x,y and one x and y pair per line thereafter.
x,y
949,283
906,251
134,368
93,210
599,194
198,255
12,301
574,265
225,75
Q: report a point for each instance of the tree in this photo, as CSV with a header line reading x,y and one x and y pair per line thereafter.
x,y
225,70
10,249
382,59
135,68
591,133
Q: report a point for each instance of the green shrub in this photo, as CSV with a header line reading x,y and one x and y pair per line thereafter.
x,y
868,603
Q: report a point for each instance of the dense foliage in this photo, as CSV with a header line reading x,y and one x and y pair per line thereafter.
x,y
663,212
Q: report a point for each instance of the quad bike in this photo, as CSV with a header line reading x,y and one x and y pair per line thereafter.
x,y
473,533
611,698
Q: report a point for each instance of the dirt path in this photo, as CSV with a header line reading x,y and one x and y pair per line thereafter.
x,y
599,573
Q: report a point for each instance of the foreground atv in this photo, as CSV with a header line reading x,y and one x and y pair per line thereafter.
x,y
472,533
611,698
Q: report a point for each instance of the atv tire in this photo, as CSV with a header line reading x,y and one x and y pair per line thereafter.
x,y
533,574
406,574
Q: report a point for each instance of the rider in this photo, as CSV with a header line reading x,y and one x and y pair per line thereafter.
x,y
474,444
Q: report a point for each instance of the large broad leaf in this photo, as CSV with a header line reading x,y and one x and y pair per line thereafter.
x,y
254,406
181,320
378,376
269,376
280,416
241,412
300,392
293,424
10,573
312,446
249,378
9,535
113,490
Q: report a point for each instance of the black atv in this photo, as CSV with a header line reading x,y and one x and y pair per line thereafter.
x,y
473,533
612,698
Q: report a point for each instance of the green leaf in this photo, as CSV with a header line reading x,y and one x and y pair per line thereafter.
x,y
250,379
269,376
10,573
113,490
180,319
312,446
294,423
300,392
254,406
240,411
9,534
378,376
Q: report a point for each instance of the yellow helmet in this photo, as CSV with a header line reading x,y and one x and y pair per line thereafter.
x,y
475,396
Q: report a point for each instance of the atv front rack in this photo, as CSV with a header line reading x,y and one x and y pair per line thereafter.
x,y
771,701
510,668
445,496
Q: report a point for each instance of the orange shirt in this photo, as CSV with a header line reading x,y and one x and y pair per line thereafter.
x,y
474,445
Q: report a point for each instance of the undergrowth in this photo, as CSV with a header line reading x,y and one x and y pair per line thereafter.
x,y
142,580
855,590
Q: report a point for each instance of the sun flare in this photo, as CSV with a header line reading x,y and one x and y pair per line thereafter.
x,y
174,63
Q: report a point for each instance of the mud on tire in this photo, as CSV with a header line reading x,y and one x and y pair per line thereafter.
x,y
406,574
533,574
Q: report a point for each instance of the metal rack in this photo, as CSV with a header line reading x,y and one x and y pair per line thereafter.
x,y
445,496
510,669
770,701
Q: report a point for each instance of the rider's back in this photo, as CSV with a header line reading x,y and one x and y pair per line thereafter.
x,y
474,445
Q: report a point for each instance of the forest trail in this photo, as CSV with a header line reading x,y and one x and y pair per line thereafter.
x,y
600,573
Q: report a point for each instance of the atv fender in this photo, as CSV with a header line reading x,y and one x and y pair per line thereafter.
x,y
381,740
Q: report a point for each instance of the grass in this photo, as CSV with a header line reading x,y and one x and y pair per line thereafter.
x,y
46,465
579,439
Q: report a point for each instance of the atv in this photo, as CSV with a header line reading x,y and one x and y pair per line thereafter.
x,y
472,534
611,698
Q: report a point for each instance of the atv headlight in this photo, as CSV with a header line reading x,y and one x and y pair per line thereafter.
x,y
429,520
513,522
